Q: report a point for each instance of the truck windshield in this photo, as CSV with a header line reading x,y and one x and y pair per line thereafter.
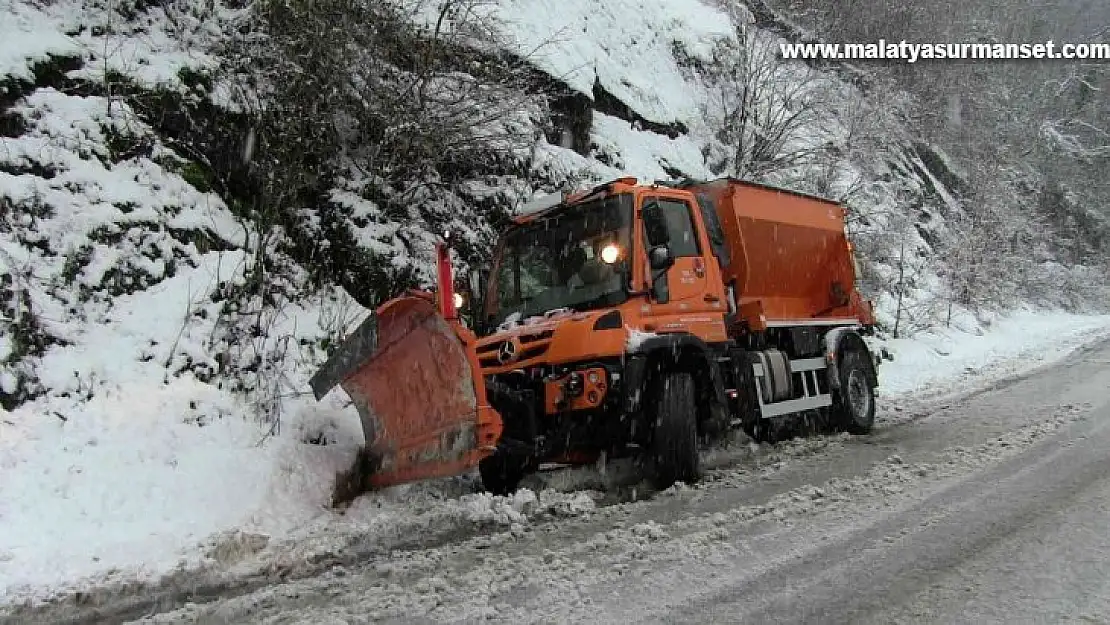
x,y
577,258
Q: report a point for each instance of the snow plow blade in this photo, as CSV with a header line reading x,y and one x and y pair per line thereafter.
x,y
414,378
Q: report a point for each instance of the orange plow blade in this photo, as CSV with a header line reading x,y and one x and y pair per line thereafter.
x,y
414,378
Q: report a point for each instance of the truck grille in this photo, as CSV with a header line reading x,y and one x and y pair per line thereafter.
x,y
494,355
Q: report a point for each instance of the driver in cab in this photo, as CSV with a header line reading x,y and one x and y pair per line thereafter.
x,y
583,272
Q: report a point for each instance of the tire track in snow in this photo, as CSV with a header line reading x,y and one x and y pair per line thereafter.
x,y
531,574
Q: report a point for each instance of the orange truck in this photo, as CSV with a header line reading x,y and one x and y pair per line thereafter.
x,y
629,320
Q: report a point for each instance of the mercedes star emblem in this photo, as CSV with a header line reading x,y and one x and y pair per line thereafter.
x,y
506,353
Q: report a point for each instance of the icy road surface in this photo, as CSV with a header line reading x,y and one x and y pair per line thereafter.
x,y
991,508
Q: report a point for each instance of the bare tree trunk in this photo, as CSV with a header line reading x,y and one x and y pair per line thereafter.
x,y
901,285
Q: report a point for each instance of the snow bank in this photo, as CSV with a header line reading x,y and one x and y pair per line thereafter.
x,y
948,359
121,457
122,480
124,468
135,481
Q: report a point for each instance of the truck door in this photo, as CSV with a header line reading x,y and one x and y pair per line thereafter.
x,y
686,279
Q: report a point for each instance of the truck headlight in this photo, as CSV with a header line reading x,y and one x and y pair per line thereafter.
x,y
610,253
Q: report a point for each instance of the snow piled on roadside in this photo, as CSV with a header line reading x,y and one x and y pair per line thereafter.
x,y
121,458
970,354
129,483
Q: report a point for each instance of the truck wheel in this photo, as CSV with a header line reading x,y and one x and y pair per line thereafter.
x,y
854,403
674,443
501,473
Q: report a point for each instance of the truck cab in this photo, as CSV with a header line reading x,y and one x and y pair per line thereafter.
x,y
595,253
571,289
625,256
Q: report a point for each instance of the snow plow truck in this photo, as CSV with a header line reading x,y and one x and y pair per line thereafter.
x,y
630,320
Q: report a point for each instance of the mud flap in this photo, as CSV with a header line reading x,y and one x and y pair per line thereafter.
x,y
415,381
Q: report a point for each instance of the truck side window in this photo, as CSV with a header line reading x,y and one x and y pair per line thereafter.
x,y
684,239
712,222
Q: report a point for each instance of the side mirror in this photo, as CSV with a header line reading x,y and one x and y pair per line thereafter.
x,y
660,258
655,225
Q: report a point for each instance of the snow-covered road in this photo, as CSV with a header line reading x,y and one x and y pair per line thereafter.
x,y
987,508
1024,541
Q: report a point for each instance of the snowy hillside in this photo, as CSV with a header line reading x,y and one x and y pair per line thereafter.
x,y
158,328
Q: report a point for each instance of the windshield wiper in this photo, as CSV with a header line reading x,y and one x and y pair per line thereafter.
x,y
605,299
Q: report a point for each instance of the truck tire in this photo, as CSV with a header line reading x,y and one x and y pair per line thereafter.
x,y
854,402
501,472
674,441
